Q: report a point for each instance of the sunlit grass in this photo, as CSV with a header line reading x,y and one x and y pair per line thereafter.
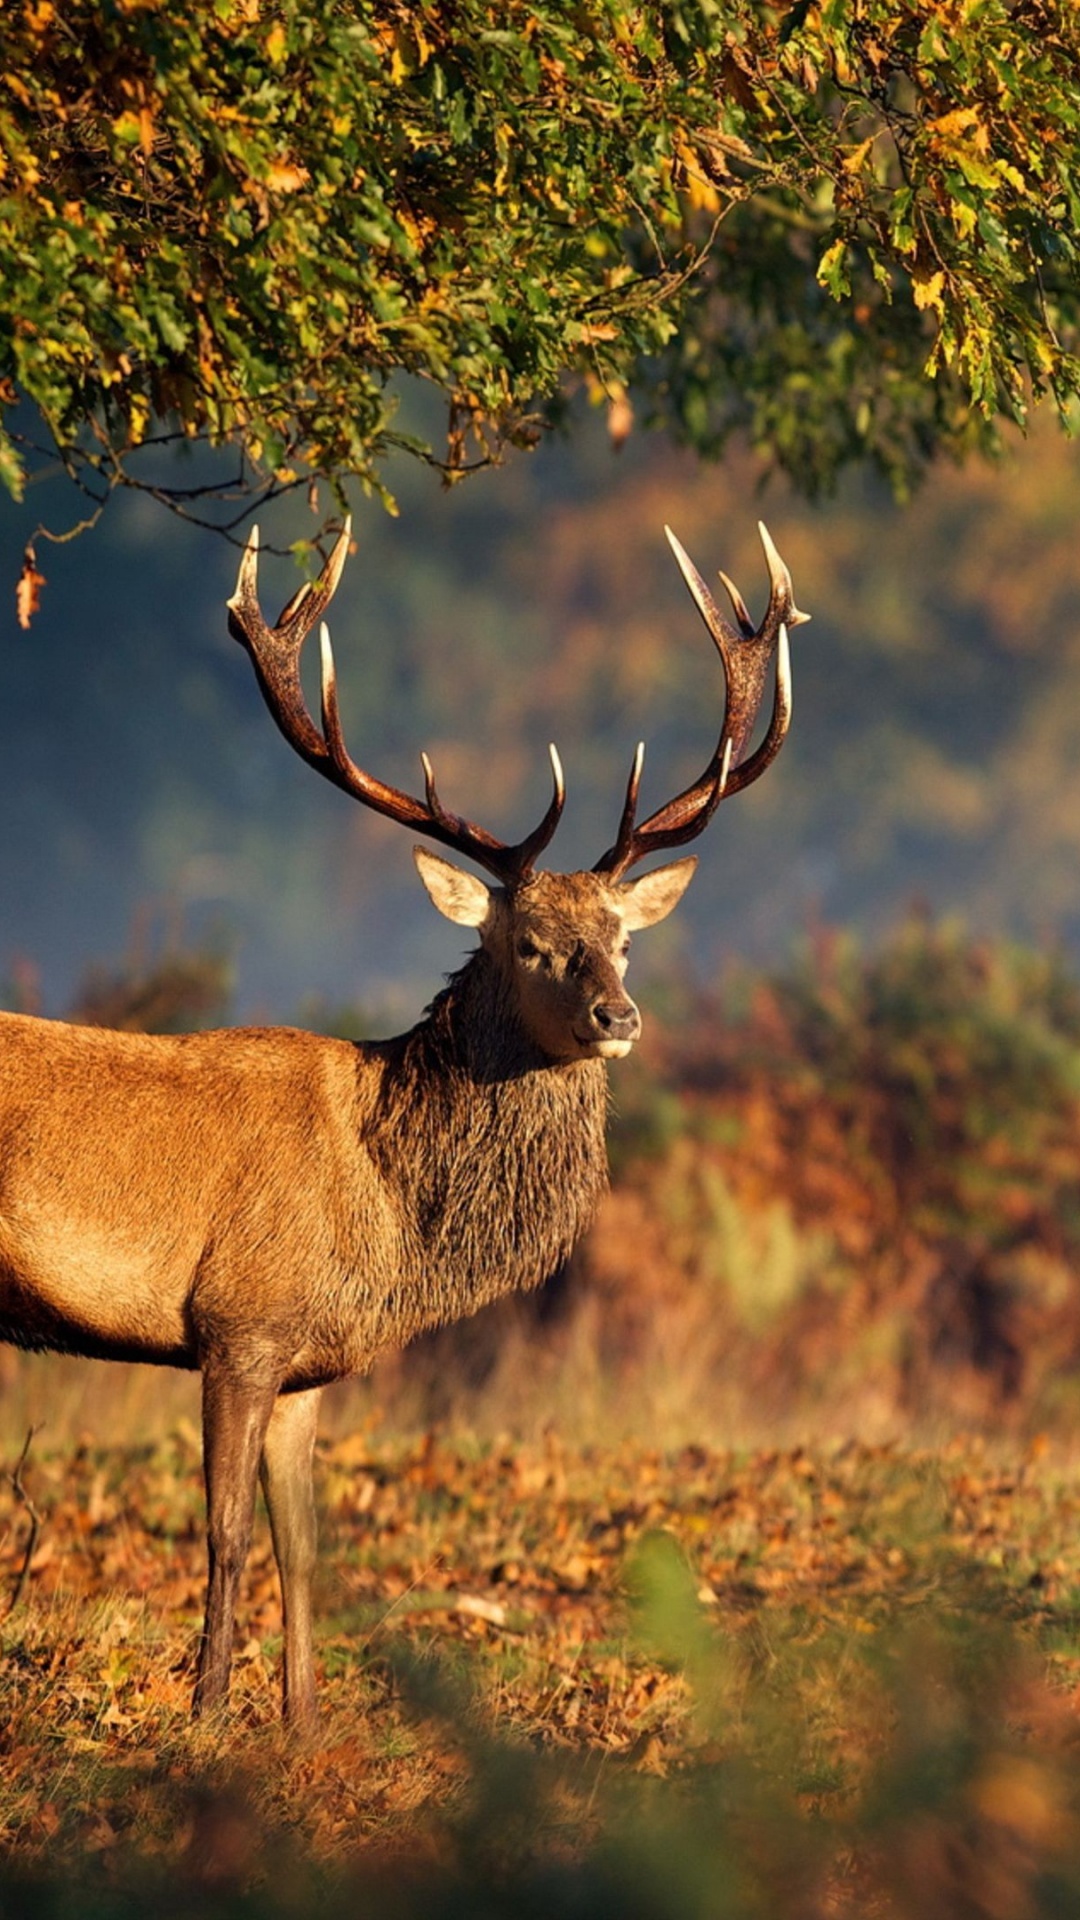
x,y
545,1661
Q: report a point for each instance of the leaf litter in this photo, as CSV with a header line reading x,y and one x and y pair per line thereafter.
x,y
519,1584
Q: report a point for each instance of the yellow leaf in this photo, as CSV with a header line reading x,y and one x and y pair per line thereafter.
x,y
949,126
276,43
592,332
281,177
28,590
853,160
693,184
1042,354
963,218
504,136
138,417
928,288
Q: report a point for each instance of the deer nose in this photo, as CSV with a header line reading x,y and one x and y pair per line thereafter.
x,y
616,1019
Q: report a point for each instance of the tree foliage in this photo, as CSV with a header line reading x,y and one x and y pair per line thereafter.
x,y
848,228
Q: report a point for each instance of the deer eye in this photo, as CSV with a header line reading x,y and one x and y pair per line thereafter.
x,y
625,948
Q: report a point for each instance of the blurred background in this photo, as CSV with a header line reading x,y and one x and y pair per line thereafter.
x,y
934,755
847,1157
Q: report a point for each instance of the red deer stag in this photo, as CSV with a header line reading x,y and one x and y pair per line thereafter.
x,y
275,1208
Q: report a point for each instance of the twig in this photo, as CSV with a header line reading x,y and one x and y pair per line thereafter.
x,y
16,1480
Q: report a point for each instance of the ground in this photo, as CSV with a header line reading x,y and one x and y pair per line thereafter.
x,y
603,1635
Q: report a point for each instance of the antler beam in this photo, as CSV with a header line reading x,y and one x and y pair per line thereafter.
x,y
745,653
275,654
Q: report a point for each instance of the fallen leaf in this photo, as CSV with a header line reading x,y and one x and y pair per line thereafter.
x,y
28,591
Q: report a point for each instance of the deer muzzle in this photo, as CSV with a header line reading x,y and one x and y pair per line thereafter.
x,y
614,1026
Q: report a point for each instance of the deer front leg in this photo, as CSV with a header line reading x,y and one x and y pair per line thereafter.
x,y
235,1416
286,1481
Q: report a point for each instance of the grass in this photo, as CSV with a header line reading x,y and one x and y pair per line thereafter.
x,y
558,1666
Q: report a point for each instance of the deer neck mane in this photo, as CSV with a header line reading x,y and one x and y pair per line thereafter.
x,y
496,1152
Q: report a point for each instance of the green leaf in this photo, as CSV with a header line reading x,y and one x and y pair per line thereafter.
x,y
832,269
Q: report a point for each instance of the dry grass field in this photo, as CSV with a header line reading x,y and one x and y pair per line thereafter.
x,y
584,1680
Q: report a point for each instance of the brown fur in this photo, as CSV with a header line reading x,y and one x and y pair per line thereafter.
x,y
274,1208
500,1164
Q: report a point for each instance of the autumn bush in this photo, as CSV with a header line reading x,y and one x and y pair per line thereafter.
x,y
845,1198
864,1173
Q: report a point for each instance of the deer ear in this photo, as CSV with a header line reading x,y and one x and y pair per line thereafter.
x,y
459,895
643,902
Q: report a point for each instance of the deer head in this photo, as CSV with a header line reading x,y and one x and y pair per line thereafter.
x,y
558,941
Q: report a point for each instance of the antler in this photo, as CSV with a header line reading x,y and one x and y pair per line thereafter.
x,y
275,654
745,655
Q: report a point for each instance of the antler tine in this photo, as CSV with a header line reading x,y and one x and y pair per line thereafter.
x,y
525,853
750,770
745,656
746,625
509,864
618,857
453,829
312,597
781,605
534,843
275,654
682,819
722,635
275,651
